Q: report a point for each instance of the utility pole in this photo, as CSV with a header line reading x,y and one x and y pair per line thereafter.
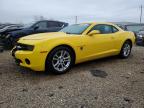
x,y
76,18
141,12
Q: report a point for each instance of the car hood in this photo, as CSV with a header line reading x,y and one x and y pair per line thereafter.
x,y
44,36
19,32
35,38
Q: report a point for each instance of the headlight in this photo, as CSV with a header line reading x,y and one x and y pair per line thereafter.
x,y
25,47
30,47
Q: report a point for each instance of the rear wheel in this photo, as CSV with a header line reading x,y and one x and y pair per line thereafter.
x,y
126,49
59,60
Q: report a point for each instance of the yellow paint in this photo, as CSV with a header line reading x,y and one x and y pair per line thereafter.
x,y
94,47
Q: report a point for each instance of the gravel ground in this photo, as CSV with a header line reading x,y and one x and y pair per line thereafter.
x,y
104,83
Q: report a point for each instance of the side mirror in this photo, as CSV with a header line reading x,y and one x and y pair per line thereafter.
x,y
94,32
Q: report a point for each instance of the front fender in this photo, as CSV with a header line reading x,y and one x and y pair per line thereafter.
x,y
74,43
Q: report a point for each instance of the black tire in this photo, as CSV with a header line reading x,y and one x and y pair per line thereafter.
x,y
49,66
123,54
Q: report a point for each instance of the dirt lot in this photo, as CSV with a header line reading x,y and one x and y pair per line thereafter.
x,y
105,83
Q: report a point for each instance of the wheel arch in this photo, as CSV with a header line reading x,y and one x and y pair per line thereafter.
x,y
122,43
64,45
121,51
129,40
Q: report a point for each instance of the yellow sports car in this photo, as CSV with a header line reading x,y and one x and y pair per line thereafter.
x,y
58,51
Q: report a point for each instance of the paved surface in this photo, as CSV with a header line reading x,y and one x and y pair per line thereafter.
x,y
105,83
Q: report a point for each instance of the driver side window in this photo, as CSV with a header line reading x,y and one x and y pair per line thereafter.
x,y
104,29
41,25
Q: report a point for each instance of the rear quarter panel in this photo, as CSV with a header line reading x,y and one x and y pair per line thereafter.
x,y
129,36
122,36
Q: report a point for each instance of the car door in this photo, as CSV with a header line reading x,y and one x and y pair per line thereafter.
x,y
100,45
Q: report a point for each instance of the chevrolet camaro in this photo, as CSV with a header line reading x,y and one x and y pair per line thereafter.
x,y
57,52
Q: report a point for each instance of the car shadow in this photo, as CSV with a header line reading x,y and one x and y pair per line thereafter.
x,y
97,61
85,65
34,77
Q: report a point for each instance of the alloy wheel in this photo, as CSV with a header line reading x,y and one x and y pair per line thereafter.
x,y
126,49
61,60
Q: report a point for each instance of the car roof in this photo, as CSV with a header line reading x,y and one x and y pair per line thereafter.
x,y
100,23
51,21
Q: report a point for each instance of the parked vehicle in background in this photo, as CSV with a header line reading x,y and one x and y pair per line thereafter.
x,y
6,28
37,27
57,52
138,29
140,38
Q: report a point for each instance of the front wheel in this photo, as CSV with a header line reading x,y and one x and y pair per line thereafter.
x,y
59,60
126,49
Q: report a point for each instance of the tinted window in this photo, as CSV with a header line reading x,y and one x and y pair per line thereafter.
x,y
105,29
75,29
53,24
41,25
115,29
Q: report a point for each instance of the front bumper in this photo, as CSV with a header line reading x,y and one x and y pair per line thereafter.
x,y
30,59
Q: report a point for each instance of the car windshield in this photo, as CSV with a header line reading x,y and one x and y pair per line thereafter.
x,y
135,28
75,29
29,25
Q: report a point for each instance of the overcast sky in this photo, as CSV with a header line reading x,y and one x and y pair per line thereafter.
x,y
25,11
